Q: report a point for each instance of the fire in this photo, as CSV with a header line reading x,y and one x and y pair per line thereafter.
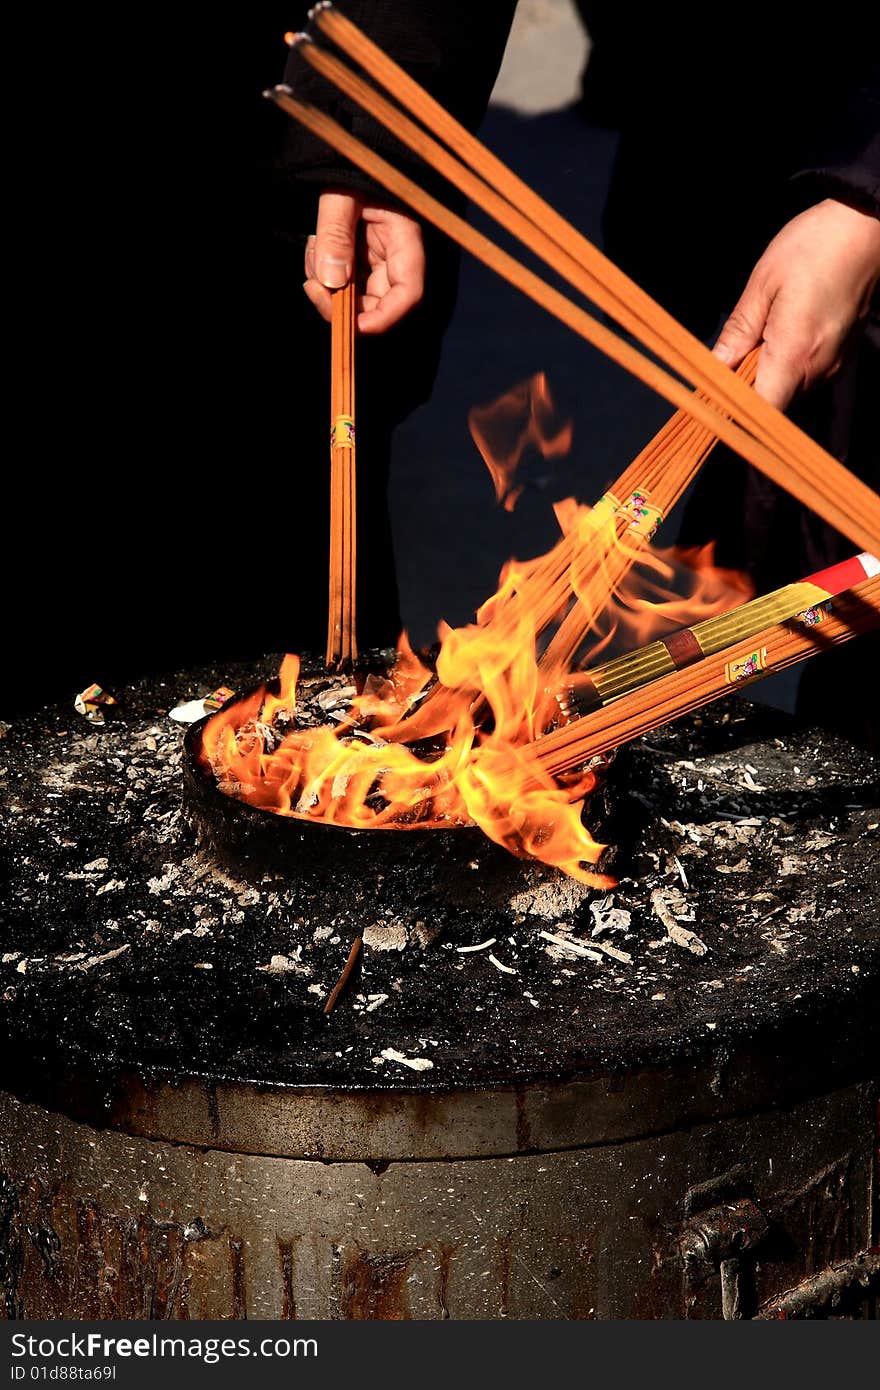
x,y
504,430
452,748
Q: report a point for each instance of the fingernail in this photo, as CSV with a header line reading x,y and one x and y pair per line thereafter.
x,y
723,352
333,273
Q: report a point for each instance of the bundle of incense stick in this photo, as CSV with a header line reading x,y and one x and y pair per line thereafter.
x,y
756,430
855,611
624,521
341,634
589,690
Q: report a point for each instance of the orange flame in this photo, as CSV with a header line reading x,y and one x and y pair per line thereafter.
x,y
385,766
503,431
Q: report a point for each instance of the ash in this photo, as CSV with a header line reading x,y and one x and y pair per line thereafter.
x,y
749,893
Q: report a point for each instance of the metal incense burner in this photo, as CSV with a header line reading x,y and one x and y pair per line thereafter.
x,y
533,1100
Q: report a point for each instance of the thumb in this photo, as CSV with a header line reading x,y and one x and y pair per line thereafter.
x,y
338,215
745,327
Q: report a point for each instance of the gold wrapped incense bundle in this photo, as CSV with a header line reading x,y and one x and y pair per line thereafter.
x,y
341,619
855,611
805,601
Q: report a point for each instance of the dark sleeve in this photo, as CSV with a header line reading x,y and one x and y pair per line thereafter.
x,y
453,48
846,164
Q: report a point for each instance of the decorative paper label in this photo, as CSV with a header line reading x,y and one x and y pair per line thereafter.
x,y
89,702
217,698
746,667
342,433
645,518
812,617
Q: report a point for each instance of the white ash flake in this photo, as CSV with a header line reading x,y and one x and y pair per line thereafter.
x,y
681,936
286,965
165,881
567,945
614,951
551,899
608,918
791,864
747,780
673,908
111,886
90,961
95,865
188,712
390,1054
505,969
385,936
819,839
332,699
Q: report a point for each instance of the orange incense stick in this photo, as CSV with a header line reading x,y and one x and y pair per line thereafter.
x,y
341,620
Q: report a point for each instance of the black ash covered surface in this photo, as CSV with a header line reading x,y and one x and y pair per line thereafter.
x,y
749,904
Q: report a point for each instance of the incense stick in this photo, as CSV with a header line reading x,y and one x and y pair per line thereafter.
x,y
341,617
345,976
777,647
834,493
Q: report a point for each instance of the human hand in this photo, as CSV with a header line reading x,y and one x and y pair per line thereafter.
x,y
804,298
391,245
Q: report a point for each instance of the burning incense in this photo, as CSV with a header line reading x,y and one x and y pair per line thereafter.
x,y
341,635
796,462
631,511
855,611
591,561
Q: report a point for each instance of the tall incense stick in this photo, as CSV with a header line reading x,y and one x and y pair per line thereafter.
x,y
341,633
